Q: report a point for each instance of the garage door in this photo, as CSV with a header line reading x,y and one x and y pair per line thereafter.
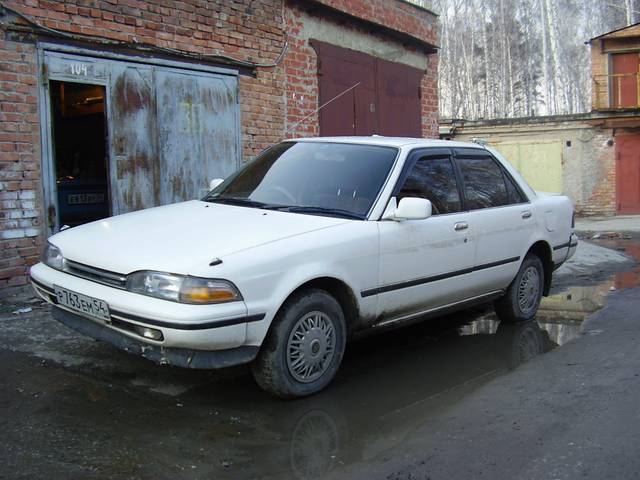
x,y
628,174
540,162
386,100
166,131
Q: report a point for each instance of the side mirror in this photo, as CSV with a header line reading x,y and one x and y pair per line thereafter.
x,y
409,208
215,182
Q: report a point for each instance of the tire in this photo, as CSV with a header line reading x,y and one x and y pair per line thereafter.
x,y
304,347
522,299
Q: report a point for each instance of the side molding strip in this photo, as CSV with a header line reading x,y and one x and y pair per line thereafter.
x,y
434,278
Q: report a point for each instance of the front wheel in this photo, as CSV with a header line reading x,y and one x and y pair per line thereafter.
x,y
304,347
522,299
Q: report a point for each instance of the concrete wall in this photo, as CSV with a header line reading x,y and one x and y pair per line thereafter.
x,y
586,156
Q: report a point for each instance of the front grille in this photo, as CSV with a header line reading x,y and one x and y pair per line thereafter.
x,y
95,274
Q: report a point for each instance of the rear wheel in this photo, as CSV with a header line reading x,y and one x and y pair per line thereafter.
x,y
522,299
304,347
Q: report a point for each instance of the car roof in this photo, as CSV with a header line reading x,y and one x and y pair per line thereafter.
x,y
390,141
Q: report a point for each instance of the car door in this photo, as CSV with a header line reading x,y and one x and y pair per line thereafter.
x,y
500,216
425,264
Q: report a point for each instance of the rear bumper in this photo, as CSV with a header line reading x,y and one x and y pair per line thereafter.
x,y
179,357
563,252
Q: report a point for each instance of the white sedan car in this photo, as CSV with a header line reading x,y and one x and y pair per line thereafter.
x,y
312,242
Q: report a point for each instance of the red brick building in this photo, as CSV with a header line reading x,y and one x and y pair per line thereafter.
x,y
108,106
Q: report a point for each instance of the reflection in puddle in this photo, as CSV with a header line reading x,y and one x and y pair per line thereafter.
x,y
387,387
560,315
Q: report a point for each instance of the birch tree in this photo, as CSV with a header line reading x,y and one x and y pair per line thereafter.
x,y
506,58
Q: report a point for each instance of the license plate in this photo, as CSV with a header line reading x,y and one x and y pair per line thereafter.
x,y
85,198
81,303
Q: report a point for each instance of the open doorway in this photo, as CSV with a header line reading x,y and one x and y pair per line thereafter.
x,y
79,133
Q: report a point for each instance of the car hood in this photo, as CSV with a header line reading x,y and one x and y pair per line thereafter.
x,y
176,238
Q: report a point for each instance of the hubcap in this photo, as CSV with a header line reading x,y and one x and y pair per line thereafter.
x,y
311,346
529,290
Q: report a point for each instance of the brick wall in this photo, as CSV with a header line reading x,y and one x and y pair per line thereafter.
x,y
300,65
20,202
600,83
429,93
602,198
400,16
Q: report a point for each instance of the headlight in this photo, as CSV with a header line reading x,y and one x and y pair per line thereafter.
x,y
52,257
155,284
178,288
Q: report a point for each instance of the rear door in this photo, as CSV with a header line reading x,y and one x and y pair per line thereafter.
x,y
500,216
425,264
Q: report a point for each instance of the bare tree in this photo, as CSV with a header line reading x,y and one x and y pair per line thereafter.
x,y
506,58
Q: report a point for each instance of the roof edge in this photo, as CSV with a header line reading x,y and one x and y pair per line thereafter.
x,y
613,31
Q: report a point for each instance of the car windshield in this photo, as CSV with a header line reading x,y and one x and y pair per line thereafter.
x,y
319,178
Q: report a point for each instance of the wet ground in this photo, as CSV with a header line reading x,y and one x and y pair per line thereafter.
x,y
72,407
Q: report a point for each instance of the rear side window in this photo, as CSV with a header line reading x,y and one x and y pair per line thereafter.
x,y
433,178
484,183
515,195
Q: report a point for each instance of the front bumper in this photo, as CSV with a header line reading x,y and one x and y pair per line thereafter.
x,y
179,357
191,327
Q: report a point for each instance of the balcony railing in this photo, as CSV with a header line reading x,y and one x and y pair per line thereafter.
x,y
617,91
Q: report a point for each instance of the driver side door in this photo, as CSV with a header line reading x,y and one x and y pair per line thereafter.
x,y
426,264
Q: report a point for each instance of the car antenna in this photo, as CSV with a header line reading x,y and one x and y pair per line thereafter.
x,y
295,125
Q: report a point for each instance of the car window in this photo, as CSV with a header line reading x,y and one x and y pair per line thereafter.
x,y
433,178
515,195
484,184
311,177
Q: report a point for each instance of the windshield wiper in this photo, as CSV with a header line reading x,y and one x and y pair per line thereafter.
x,y
241,202
334,212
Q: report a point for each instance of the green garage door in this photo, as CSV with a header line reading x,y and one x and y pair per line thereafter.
x,y
539,162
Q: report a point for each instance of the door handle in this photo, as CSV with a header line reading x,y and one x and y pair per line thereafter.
x,y
461,226
526,214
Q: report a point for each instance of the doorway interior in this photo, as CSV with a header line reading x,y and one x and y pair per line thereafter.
x,y
79,134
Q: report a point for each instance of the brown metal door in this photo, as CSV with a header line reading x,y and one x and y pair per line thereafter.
x,y
339,69
399,99
386,100
628,174
624,83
